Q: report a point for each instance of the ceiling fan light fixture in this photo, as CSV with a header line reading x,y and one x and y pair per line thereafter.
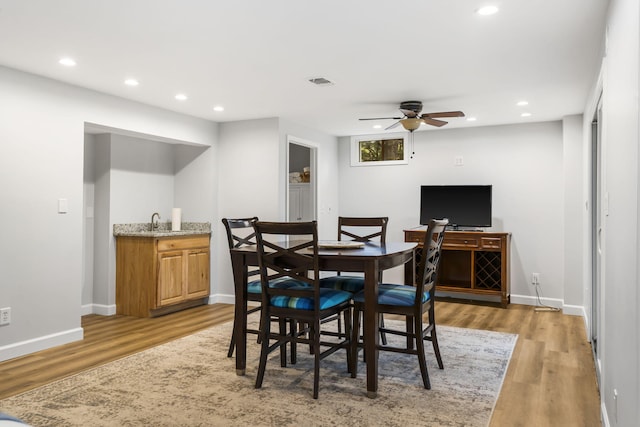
x,y
411,124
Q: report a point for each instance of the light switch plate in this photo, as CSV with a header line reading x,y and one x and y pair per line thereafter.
x,y
63,206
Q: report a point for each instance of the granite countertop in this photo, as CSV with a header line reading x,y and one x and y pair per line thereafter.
x,y
163,230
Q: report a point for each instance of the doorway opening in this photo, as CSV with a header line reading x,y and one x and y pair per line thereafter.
x,y
301,180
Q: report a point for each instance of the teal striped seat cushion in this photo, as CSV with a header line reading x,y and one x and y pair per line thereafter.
x,y
328,298
255,287
389,294
353,284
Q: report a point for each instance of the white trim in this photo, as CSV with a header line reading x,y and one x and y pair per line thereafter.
x,y
531,300
222,298
355,149
603,414
22,348
574,310
101,309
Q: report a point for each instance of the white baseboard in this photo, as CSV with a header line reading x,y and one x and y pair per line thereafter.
x,y
603,415
101,309
22,348
531,300
222,298
574,310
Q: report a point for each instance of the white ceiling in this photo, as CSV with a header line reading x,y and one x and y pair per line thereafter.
x,y
254,57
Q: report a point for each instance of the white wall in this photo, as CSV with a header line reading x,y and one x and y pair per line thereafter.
x,y
620,323
253,181
573,197
328,182
522,162
41,160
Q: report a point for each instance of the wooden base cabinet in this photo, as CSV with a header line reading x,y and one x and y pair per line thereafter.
x,y
473,262
155,276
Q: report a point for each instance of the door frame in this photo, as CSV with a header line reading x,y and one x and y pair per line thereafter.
x,y
595,232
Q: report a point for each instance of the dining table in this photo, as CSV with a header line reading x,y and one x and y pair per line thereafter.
x,y
369,259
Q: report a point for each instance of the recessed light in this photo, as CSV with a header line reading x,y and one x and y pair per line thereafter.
x,y
67,62
181,97
487,10
377,126
522,103
525,115
471,119
218,108
131,82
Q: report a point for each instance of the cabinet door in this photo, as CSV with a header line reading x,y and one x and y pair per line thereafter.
x,y
306,213
197,273
170,278
294,204
300,202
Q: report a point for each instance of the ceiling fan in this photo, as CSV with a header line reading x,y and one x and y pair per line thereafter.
x,y
413,119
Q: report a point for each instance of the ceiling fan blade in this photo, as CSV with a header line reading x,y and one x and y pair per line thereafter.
x,y
443,114
383,118
434,122
392,126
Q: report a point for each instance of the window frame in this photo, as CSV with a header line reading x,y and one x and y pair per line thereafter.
x,y
355,149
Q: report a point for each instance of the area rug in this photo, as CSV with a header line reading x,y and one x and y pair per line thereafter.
x,y
191,382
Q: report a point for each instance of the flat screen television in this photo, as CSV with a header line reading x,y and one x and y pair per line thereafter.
x,y
466,206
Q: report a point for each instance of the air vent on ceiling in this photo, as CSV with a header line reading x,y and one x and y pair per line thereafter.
x,y
321,81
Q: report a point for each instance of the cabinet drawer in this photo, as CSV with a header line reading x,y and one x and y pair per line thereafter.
x,y
183,243
491,243
414,236
453,241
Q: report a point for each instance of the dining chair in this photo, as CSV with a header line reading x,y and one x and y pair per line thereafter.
x,y
412,303
359,229
240,232
289,251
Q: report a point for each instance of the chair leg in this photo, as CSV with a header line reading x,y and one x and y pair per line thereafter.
x,y
383,336
348,336
294,347
232,344
436,348
316,367
264,352
282,323
421,357
355,338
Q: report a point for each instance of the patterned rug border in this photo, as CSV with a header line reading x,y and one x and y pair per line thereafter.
x,y
387,381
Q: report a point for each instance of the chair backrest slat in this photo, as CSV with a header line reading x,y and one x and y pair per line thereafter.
x,y
288,250
240,233
430,260
356,228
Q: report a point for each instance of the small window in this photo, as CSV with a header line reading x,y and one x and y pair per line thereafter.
x,y
376,150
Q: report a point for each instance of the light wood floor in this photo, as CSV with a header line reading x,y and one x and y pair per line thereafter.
x,y
550,381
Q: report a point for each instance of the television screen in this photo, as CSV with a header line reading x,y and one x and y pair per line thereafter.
x,y
463,205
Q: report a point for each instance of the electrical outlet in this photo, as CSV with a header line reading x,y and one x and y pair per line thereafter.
x,y
5,316
535,279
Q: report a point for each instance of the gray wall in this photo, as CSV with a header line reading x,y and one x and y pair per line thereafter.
x,y
41,160
620,322
524,163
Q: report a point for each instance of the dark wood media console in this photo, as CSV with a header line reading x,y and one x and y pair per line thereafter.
x,y
473,262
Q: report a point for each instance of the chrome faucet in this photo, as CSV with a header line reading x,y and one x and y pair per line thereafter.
x,y
154,221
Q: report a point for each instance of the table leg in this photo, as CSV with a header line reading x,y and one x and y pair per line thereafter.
x,y
370,325
240,322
